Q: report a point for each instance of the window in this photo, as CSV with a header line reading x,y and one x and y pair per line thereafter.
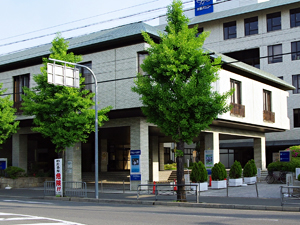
x,y
295,17
19,83
296,50
227,157
200,31
296,83
251,26
296,117
249,56
275,53
236,102
229,30
268,115
87,75
141,57
274,21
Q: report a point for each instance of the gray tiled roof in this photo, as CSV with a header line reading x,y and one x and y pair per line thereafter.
x,y
81,41
241,10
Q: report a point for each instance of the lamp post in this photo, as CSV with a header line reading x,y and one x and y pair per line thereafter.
x,y
68,76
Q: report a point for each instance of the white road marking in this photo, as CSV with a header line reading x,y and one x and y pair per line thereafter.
x,y
22,217
29,202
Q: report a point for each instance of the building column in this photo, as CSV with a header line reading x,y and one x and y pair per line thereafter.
x,y
139,140
161,150
260,152
154,156
212,143
103,155
73,163
19,151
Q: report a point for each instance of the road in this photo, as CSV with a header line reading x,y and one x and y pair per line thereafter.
x,y
42,212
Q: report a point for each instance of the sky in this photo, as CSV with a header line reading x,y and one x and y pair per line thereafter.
x,y
27,19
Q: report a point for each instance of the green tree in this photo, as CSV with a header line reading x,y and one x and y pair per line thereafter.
x,y
177,93
64,114
8,125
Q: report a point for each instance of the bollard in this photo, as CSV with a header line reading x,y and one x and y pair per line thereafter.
x,y
256,189
227,184
209,181
175,187
153,191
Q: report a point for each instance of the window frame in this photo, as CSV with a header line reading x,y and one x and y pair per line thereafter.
x,y
274,58
247,25
267,100
296,122
296,83
293,17
236,97
226,30
272,21
295,52
88,82
19,82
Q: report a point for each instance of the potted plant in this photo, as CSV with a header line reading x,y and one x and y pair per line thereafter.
x,y
250,172
218,175
199,176
235,174
195,176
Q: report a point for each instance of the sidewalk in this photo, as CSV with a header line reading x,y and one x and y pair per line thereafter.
x,y
238,197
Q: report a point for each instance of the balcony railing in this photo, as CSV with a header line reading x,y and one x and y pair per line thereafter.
x,y
269,116
237,110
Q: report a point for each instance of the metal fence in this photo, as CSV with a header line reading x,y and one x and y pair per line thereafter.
x,y
168,191
71,188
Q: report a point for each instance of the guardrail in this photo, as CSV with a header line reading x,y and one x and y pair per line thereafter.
x,y
291,194
167,190
71,188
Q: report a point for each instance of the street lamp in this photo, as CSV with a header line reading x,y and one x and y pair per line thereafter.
x,y
68,76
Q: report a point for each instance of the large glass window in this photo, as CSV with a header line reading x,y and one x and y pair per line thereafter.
x,y
251,26
295,17
88,77
236,96
274,21
296,83
20,82
296,117
275,53
229,30
295,50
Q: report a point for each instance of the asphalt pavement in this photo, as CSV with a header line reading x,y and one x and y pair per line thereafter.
x,y
262,196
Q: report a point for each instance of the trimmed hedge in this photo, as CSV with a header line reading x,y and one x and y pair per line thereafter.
x,y
235,170
250,169
199,173
218,172
284,166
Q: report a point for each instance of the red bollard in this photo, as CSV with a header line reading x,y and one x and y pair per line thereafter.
x,y
175,187
153,192
210,181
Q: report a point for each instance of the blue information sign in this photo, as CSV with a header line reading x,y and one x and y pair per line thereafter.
x,y
203,7
136,177
2,165
135,152
135,164
285,156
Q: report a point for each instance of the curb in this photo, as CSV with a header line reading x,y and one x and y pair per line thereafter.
x,y
178,204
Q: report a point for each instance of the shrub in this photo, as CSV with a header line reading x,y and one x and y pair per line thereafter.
x,y
195,174
13,171
203,172
284,166
250,169
218,172
235,170
172,166
295,150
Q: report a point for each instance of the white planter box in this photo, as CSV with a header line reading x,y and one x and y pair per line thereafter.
x,y
249,180
200,186
235,182
218,184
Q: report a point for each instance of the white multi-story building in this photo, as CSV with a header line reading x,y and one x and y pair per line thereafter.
x,y
266,35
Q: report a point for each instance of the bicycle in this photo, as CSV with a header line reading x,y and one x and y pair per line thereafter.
x,y
279,176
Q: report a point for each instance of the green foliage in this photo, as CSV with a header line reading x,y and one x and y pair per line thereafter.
x,y
203,172
178,153
235,170
218,172
172,166
8,125
195,174
177,93
250,169
13,171
284,166
64,114
295,150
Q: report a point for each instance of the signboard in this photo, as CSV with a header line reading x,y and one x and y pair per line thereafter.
x,y
135,165
209,160
58,177
62,75
203,7
3,163
285,156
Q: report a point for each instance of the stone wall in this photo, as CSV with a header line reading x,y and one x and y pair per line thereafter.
x,y
24,182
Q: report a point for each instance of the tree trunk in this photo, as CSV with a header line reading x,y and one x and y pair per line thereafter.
x,y
181,195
